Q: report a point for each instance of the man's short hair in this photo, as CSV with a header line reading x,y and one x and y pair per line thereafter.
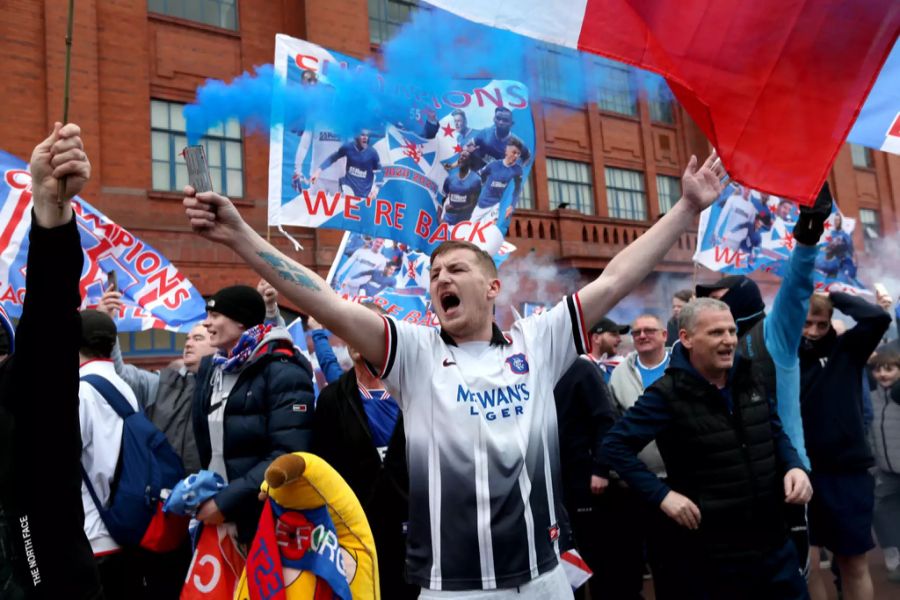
x,y
98,334
690,312
500,109
885,358
460,112
684,295
821,305
649,316
482,258
516,143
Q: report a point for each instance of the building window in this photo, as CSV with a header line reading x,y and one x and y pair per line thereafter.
x,y
625,194
659,97
526,196
218,13
862,156
559,74
616,92
152,342
387,16
871,225
570,185
222,145
669,191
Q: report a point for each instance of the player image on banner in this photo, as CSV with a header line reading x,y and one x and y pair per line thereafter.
x,y
389,273
745,230
453,169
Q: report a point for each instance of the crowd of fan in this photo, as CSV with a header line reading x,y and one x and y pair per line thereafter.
x,y
691,457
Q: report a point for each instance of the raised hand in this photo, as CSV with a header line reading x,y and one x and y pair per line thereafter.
x,y
700,187
111,302
270,296
213,216
59,156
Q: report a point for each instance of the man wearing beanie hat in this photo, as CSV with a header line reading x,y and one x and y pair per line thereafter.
x,y
101,444
44,552
253,402
772,341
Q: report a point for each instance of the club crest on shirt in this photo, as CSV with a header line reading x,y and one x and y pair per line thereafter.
x,y
517,364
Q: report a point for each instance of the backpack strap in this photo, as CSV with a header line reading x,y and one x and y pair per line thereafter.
x,y
119,404
112,395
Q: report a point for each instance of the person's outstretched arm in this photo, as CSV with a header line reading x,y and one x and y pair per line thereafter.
x,y
216,218
700,188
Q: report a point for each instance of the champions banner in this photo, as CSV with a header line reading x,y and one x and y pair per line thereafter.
x,y
744,231
389,274
453,170
155,294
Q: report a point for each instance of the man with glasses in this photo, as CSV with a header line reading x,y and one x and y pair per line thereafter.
x,y
640,369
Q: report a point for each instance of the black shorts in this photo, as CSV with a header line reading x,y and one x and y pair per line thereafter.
x,y
840,512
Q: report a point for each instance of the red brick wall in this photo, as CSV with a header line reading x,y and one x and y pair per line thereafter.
x,y
123,57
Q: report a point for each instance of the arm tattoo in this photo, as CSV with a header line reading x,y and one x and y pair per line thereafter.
x,y
287,271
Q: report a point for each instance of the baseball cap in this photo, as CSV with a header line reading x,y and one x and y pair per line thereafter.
x,y
606,325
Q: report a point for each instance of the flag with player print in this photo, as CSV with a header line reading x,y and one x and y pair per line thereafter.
x,y
453,169
390,274
745,231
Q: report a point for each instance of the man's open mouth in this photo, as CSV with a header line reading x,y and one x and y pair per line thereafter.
x,y
449,301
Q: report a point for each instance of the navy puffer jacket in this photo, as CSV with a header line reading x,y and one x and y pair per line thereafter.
x,y
268,413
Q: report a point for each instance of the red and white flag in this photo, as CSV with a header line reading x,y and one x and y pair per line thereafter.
x,y
775,84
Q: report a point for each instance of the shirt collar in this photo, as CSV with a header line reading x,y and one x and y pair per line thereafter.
x,y
497,337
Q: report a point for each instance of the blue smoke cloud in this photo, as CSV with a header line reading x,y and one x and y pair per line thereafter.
x,y
418,65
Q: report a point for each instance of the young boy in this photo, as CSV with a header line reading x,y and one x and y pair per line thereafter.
x,y
886,437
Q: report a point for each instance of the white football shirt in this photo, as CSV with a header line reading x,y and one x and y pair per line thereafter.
x,y
482,447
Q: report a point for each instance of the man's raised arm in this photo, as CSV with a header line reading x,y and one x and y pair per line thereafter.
x,y
215,218
700,187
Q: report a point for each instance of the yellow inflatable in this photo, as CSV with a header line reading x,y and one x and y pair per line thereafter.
x,y
313,541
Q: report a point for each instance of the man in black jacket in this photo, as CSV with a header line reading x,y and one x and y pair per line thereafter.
x,y
44,552
358,430
253,403
730,467
584,412
832,369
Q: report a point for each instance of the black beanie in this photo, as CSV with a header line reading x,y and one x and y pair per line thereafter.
x,y
98,332
743,298
240,303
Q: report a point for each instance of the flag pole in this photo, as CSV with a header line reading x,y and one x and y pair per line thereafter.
x,y
61,189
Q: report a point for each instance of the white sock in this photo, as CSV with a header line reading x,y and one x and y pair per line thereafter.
x,y
891,558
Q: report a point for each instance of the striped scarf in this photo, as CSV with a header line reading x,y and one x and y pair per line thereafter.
x,y
234,360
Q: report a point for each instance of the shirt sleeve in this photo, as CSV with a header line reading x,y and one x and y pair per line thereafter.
x,y
408,352
556,337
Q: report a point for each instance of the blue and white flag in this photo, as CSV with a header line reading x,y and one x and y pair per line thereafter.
x,y
423,181
745,231
155,294
878,124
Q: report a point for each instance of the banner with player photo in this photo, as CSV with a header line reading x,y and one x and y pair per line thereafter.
x,y
453,170
390,274
154,293
745,231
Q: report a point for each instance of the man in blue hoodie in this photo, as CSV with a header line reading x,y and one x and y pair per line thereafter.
x,y
730,465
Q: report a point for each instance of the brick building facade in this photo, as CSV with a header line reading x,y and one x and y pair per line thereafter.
x,y
128,53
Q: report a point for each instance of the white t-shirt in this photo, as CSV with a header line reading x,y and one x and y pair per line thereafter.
x,y
101,441
482,448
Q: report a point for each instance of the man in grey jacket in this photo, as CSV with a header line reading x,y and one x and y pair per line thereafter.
x,y
166,395
629,379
